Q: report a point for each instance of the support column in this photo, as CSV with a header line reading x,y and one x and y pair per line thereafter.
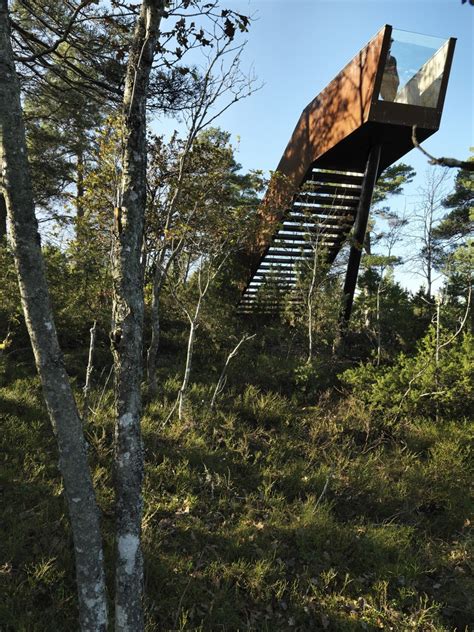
x,y
360,226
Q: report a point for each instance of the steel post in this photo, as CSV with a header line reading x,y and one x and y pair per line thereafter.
x,y
360,226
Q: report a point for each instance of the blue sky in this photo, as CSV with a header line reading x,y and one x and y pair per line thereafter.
x,y
298,46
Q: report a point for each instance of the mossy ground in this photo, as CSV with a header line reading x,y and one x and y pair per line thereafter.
x,y
260,515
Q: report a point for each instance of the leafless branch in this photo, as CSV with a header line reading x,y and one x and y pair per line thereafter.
x,y
222,379
443,162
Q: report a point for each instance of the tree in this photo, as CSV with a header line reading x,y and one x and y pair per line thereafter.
x,y
127,319
72,64
222,85
379,276
60,133
384,230
442,162
390,182
127,269
55,48
427,217
312,282
219,206
17,189
128,307
455,228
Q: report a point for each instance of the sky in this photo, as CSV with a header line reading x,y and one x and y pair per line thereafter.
x,y
295,47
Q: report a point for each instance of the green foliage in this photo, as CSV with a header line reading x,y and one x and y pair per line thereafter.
x,y
458,222
419,386
10,307
392,181
78,297
386,309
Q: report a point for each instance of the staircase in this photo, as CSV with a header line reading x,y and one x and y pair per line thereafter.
x,y
320,219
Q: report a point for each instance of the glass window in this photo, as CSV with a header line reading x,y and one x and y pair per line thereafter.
x,y
414,69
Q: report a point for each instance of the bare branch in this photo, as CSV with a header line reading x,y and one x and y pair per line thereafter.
x,y
222,379
443,162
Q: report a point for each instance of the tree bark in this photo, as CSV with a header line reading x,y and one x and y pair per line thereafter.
x,y
3,218
90,368
187,370
15,182
127,321
152,352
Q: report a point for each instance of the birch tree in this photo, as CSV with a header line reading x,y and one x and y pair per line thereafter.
x,y
36,49
209,268
222,84
128,303
127,320
379,273
16,187
426,218
224,205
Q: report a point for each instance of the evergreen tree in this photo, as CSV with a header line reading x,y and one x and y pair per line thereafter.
x,y
454,233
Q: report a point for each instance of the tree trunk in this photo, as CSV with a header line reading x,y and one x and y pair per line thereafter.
x,y
152,352
379,325
429,267
309,303
127,321
80,189
187,370
79,492
310,330
90,367
437,350
221,381
3,218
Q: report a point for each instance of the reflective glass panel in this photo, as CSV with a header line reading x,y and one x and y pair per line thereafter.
x,y
414,69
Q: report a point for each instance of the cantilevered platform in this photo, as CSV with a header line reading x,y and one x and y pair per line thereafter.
x,y
357,126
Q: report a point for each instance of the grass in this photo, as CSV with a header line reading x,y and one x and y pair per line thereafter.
x,y
262,515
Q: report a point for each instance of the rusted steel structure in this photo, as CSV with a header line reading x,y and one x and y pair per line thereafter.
x,y
356,127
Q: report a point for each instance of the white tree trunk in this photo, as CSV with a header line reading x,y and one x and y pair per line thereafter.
x,y
222,378
152,352
127,322
15,182
193,325
309,300
90,367
187,370
378,320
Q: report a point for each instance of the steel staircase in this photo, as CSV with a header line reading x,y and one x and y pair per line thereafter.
x,y
320,219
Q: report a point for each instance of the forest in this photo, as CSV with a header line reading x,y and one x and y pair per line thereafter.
x,y
169,462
